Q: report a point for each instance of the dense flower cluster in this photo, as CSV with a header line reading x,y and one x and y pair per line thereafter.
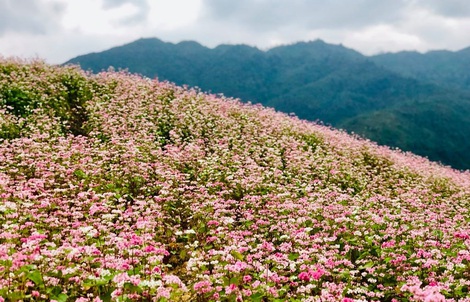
x,y
115,187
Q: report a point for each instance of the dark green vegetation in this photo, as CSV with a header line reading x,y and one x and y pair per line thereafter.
x,y
62,98
419,103
441,67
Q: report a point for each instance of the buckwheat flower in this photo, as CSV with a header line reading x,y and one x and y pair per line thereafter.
x,y
304,276
116,293
203,286
150,283
135,279
121,278
212,222
108,216
231,288
163,292
172,279
292,267
317,274
211,239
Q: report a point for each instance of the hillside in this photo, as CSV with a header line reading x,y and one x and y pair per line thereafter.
x,y
115,187
318,81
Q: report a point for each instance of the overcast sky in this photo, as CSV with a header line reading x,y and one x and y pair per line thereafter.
x,y
57,30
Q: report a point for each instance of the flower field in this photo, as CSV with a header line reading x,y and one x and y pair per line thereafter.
x,y
115,187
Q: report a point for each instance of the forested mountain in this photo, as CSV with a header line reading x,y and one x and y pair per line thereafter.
x,y
446,68
375,97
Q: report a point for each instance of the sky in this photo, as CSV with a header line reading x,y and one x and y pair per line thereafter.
x,y
58,30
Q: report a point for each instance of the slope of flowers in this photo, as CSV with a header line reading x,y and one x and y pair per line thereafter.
x,y
114,187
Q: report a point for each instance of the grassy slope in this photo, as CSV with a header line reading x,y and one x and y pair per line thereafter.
x,y
160,193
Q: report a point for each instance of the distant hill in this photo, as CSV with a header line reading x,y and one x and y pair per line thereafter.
x,y
441,67
371,96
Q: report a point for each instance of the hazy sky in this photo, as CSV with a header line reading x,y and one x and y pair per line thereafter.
x,y
58,30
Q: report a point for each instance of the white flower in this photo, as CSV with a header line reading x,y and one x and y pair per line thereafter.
x,y
150,283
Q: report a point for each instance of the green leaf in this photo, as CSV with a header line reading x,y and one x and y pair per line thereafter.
x,y
257,297
79,174
60,298
235,280
36,277
293,256
237,255
183,254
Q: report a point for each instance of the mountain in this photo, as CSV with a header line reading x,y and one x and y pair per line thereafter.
x,y
316,81
441,67
116,187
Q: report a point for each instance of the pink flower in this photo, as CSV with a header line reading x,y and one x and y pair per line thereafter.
x,y
121,278
163,292
434,297
212,222
116,293
304,276
432,294
247,278
231,288
35,293
388,244
149,249
203,286
135,280
317,274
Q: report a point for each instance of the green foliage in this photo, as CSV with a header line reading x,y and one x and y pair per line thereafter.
x,y
312,141
63,97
